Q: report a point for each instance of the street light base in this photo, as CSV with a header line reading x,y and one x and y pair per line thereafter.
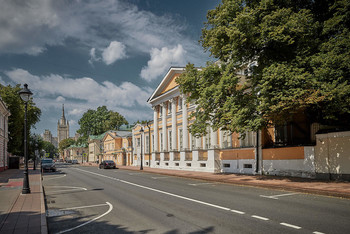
x,y
26,191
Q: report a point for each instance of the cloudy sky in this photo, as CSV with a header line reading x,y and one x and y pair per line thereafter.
x,y
86,54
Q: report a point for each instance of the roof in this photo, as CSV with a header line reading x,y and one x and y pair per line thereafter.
x,y
97,137
115,134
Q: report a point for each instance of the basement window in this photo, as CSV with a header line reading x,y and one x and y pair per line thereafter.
x,y
203,165
188,164
227,165
247,166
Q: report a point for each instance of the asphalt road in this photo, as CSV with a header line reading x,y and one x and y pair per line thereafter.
x,y
92,200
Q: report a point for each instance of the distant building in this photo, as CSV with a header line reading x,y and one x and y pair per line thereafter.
x,y
4,135
47,136
62,128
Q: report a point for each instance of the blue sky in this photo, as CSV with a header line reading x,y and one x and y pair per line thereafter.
x,y
86,54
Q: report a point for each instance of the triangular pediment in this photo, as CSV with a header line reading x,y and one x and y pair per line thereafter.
x,y
168,83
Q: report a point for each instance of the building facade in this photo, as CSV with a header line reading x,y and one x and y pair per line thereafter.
x,y
95,148
167,143
117,146
4,135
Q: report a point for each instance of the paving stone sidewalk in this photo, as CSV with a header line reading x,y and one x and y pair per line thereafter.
x,y
21,213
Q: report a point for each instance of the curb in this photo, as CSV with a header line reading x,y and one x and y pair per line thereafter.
x,y
43,224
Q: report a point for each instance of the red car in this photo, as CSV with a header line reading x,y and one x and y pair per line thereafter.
x,y
107,164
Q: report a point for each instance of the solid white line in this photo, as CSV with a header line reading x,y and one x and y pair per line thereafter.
x,y
237,211
82,207
290,225
64,190
134,173
318,233
259,217
160,191
201,184
83,224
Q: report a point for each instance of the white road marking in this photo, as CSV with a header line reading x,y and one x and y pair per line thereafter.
x,y
201,184
70,188
237,211
290,225
83,224
318,233
160,177
66,187
280,195
193,200
259,217
134,173
82,207
56,177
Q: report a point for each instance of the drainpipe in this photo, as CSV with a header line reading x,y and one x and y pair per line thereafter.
x,y
257,152
149,144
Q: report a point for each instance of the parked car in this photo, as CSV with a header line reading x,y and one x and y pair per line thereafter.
x,y
48,164
74,161
107,164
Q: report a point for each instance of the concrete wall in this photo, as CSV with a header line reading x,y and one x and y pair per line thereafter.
x,y
289,161
332,155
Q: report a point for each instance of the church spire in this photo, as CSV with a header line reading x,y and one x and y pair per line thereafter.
x,y
63,112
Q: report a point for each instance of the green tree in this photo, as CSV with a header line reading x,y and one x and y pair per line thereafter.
x,y
64,144
96,122
14,103
49,149
296,55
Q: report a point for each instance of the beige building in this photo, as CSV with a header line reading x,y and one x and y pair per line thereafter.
x,y
76,152
288,149
4,135
117,146
95,148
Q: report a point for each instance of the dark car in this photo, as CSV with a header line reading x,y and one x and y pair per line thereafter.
x,y
107,164
48,164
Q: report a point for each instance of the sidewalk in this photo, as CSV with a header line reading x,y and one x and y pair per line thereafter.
x,y
21,213
304,185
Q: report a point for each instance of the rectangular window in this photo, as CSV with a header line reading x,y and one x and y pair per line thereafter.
x,y
169,108
193,142
180,104
160,111
208,139
249,140
226,139
147,144
170,140
161,141
153,142
180,139
138,142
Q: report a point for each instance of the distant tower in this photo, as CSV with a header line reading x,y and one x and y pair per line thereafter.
x,y
62,127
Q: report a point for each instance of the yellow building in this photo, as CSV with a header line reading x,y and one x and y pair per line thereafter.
x,y
117,147
167,143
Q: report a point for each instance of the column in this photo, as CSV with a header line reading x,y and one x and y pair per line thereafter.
x,y
164,122
173,123
184,123
214,138
155,128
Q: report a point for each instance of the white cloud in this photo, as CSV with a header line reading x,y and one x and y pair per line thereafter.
x,y
33,25
82,89
161,60
113,52
60,99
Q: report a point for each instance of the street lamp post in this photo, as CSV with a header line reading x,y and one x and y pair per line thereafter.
x,y
25,95
141,131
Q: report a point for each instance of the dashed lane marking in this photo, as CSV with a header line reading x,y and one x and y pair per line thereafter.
x,y
279,195
201,184
290,225
160,177
260,217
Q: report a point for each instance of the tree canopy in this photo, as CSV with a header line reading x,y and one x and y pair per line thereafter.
x,y
10,96
295,57
65,143
96,122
